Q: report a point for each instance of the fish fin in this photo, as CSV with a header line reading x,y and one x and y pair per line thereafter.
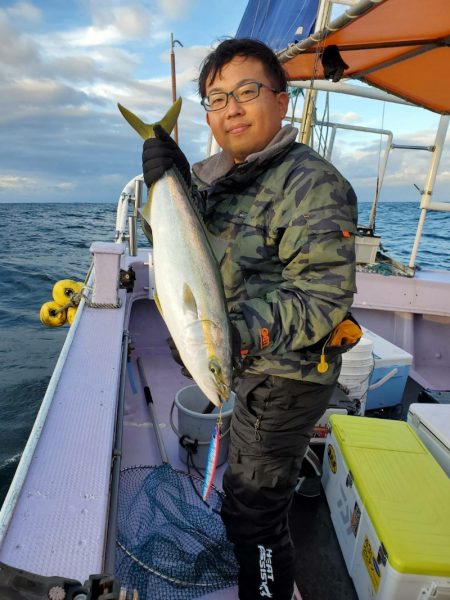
x,y
147,230
145,218
145,130
158,304
170,118
189,301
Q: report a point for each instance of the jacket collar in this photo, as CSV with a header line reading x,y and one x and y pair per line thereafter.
x,y
215,167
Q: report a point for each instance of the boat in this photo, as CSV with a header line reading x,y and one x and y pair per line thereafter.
x,y
401,65
62,523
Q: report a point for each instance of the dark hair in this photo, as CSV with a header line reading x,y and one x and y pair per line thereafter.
x,y
228,49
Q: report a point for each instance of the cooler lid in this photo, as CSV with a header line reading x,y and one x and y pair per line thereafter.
x,y
377,434
385,352
403,489
435,417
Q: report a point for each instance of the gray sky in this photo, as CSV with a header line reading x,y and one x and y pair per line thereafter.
x,y
65,65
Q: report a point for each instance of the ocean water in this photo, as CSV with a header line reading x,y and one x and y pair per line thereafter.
x,y
42,243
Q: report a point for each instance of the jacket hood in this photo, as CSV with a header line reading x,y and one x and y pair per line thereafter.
x,y
209,170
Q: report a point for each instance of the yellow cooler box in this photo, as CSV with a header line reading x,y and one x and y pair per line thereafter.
x,y
390,506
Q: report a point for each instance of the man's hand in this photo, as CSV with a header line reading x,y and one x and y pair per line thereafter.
x,y
160,154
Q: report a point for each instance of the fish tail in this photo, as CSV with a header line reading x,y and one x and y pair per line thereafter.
x,y
145,130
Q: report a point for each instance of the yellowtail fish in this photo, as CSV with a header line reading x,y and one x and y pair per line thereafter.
x,y
189,288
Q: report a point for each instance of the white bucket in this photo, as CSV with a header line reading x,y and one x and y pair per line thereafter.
x,y
363,349
191,402
357,367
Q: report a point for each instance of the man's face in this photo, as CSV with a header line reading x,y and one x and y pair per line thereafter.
x,y
244,128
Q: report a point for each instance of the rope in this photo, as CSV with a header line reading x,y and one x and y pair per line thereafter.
x,y
74,301
99,305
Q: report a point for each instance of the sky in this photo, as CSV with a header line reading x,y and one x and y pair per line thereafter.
x,y
64,66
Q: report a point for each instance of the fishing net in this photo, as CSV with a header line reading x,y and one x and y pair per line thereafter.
x,y
170,543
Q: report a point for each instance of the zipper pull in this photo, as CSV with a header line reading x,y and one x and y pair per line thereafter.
x,y
322,367
257,426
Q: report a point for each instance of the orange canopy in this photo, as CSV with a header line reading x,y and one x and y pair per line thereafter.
x,y
399,46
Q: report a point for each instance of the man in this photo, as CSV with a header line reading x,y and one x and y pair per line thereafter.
x,y
282,222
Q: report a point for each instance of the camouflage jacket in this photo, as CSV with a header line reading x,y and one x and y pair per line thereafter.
x,y
283,227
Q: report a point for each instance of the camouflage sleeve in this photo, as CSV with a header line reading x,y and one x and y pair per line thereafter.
x,y
316,225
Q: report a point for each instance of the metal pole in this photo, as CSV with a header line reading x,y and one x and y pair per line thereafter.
x,y
380,178
431,178
323,16
132,219
174,79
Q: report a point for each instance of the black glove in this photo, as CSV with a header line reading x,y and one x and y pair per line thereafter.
x,y
160,154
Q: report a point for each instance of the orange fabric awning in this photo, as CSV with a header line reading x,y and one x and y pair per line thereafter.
x,y
399,46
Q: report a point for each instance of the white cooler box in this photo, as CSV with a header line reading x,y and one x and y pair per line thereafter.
x,y
389,502
391,370
431,422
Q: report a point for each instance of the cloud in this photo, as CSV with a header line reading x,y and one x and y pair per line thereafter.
x,y
15,49
127,24
134,22
359,161
12,182
175,9
25,12
45,91
63,70
64,185
347,117
88,37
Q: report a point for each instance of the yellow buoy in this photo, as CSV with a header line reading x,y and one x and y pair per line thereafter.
x,y
71,312
64,289
52,315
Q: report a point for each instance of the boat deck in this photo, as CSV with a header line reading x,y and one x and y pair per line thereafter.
x,y
320,570
49,500
58,516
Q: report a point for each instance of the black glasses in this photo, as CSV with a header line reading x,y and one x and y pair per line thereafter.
x,y
243,93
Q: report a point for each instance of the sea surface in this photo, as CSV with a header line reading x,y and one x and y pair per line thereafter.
x,y
42,243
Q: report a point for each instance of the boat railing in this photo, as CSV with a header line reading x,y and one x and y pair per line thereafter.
x,y
425,200
328,151
126,224
436,149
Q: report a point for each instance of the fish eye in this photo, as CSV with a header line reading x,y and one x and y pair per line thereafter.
x,y
214,367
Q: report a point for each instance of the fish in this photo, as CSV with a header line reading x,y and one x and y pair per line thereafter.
x,y
211,462
189,287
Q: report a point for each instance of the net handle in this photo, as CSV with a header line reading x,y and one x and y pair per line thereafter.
x,y
187,438
151,410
